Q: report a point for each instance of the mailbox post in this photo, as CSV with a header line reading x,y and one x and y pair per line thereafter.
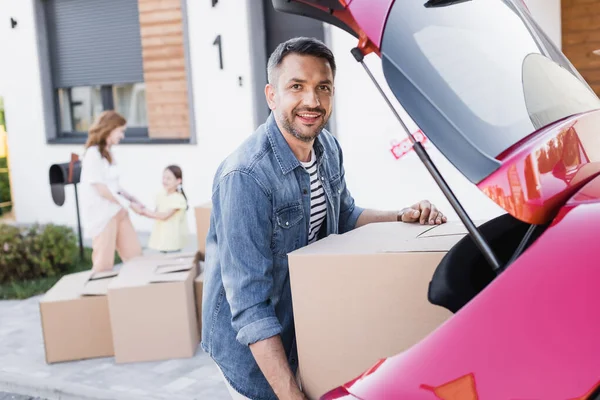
x,y
67,174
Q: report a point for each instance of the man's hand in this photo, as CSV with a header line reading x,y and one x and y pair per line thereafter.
x,y
423,212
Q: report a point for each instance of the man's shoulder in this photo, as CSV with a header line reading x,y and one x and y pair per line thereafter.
x,y
330,144
251,157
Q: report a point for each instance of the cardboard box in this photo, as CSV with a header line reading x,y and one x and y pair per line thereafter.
x,y
180,257
198,286
153,310
75,318
202,224
362,296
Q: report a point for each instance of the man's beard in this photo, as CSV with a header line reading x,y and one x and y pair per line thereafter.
x,y
288,125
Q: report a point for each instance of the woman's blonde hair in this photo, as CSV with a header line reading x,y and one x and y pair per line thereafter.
x,y
106,122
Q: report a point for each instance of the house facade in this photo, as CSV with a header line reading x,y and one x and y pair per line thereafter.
x,y
189,76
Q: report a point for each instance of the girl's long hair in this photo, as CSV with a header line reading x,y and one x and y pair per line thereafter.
x,y
176,170
106,122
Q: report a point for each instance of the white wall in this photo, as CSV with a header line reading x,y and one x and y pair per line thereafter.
x,y
223,114
5,46
547,13
366,126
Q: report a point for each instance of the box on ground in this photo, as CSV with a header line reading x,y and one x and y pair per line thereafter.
x,y
202,224
362,296
184,258
75,318
153,310
198,286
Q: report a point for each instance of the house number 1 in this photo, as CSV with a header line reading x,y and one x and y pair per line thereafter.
x,y
217,42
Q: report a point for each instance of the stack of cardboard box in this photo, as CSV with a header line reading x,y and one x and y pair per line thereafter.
x,y
149,310
357,298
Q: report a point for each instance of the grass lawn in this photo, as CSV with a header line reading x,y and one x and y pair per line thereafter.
x,y
33,287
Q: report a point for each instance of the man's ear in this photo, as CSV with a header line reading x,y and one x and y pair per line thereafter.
x,y
270,95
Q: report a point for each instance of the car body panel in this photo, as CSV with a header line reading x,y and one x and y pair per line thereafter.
x,y
531,334
371,16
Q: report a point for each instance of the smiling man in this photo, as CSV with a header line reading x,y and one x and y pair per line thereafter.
x,y
282,189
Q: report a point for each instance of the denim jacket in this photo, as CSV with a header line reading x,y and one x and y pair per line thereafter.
x,y
261,212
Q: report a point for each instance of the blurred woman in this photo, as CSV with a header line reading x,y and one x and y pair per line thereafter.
x,y
104,202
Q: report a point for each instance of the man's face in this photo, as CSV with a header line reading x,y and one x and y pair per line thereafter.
x,y
302,95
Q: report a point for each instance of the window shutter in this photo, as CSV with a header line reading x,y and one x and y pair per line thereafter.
x,y
94,42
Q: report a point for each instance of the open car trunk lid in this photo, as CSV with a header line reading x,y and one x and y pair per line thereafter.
x,y
488,87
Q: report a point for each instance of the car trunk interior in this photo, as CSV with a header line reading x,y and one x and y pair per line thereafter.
x,y
464,271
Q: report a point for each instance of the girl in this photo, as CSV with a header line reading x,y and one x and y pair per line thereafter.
x,y
104,201
170,231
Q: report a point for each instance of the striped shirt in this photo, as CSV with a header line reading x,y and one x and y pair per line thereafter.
x,y
318,206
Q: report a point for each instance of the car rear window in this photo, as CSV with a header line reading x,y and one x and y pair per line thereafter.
x,y
484,66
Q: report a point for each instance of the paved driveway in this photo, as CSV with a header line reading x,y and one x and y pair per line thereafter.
x,y
23,368
14,396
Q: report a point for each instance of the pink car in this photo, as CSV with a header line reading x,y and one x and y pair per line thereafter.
x,y
504,105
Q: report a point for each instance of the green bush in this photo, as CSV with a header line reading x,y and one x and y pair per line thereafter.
x,y
12,249
38,251
4,186
2,120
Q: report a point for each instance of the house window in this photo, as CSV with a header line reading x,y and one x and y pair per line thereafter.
x,y
79,106
105,54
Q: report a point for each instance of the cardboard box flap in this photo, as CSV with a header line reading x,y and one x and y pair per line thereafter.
x,y
159,259
67,288
103,275
368,239
146,259
134,274
171,273
150,270
449,228
182,260
181,256
442,243
170,277
169,268
97,287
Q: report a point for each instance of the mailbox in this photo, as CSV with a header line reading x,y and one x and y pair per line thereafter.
x,y
61,175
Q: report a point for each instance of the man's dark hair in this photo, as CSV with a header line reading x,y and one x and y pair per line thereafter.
x,y
301,45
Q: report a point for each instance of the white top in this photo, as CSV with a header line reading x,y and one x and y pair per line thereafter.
x,y
318,205
96,211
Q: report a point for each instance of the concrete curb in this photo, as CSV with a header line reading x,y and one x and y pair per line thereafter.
x,y
52,389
